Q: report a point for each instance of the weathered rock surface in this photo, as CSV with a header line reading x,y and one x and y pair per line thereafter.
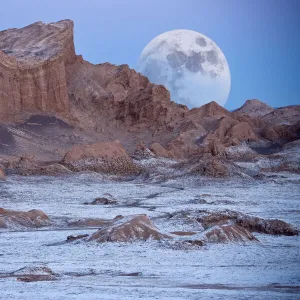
x,y
272,226
31,219
133,228
32,68
27,165
252,224
288,115
255,108
228,233
108,157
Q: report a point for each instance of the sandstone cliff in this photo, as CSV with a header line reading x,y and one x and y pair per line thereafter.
x,y
32,69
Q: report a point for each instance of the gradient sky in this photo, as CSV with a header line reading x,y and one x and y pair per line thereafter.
x,y
260,38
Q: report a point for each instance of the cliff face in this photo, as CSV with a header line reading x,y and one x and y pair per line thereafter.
x,y
32,69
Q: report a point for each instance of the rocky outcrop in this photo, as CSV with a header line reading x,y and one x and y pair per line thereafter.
x,y
131,229
31,219
160,151
107,157
32,68
27,165
273,226
280,133
228,233
211,109
255,108
288,115
252,224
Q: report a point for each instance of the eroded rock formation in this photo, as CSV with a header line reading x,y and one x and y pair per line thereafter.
x,y
31,219
134,228
52,101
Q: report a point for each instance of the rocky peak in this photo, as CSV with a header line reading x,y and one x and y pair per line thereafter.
x,y
37,42
255,108
210,109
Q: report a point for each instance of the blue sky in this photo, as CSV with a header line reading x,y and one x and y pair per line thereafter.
x,y
260,38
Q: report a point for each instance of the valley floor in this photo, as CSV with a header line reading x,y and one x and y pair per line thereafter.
x,y
268,269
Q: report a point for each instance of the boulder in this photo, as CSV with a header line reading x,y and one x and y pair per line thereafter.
x,y
267,226
106,199
228,233
31,219
134,228
107,157
252,224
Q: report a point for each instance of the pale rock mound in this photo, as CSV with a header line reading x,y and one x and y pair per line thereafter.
x,y
134,228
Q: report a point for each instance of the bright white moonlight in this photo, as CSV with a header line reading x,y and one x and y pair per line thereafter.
x,y
190,65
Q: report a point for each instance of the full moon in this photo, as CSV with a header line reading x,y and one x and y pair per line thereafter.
x,y
190,65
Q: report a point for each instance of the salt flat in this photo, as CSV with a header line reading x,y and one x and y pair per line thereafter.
x,y
268,269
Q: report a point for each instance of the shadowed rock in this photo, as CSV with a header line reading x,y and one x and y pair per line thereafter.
x,y
105,200
276,227
72,238
159,150
142,152
252,224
